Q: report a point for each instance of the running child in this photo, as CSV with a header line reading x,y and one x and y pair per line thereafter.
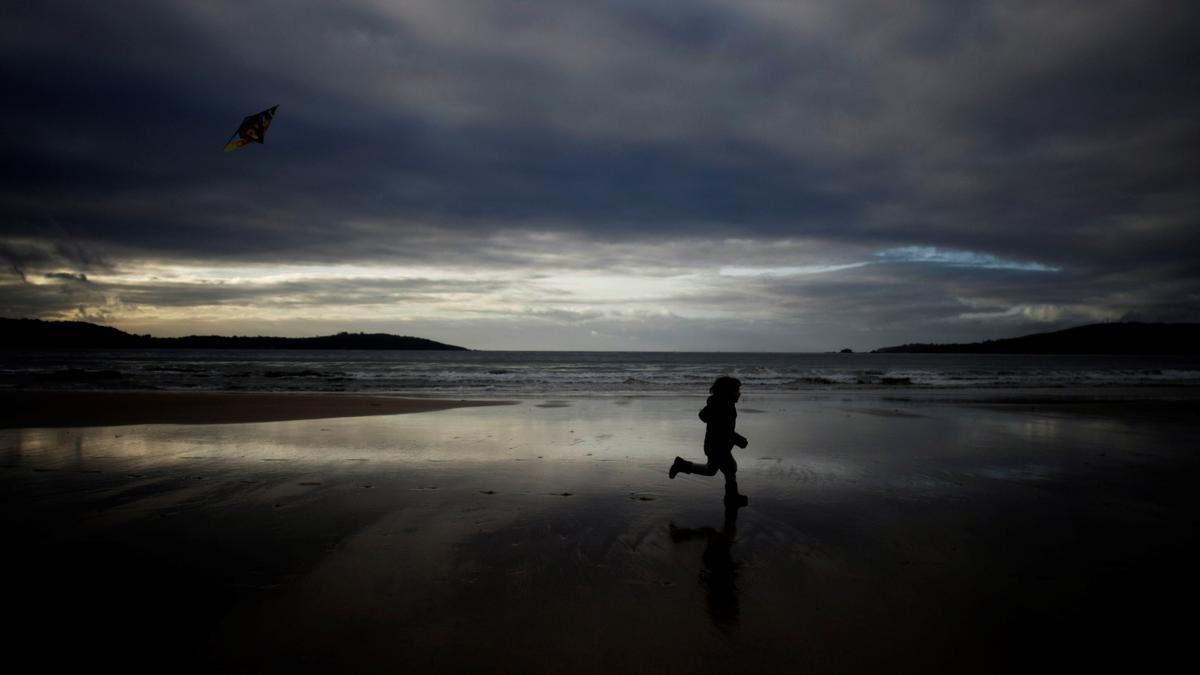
x,y
719,438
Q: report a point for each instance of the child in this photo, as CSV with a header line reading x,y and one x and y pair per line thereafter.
x,y
719,439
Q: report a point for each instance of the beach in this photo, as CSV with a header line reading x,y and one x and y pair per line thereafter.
x,y
883,534
116,408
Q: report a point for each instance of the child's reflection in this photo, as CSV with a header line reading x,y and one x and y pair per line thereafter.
x,y
719,575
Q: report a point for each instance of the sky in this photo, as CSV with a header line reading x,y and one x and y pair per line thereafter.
x,y
701,175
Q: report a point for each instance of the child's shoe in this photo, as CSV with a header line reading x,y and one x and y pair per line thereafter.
x,y
679,465
736,500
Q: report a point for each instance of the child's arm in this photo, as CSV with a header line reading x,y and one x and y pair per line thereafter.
x,y
740,440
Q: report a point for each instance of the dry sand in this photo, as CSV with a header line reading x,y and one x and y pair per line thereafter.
x,y
881,536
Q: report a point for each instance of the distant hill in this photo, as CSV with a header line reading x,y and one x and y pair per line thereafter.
x,y
25,334
1099,338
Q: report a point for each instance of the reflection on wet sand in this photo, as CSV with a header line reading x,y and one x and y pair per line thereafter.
x,y
720,568
540,540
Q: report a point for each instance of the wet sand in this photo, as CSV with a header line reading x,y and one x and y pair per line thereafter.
x,y
882,536
116,408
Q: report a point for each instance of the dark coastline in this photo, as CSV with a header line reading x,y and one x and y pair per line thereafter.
x,y
27,334
1103,338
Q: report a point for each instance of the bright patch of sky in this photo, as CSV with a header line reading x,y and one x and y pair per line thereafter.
x,y
274,273
911,254
955,258
787,271
611,287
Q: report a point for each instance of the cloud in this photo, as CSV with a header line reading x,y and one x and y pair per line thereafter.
x,y
68,276
787,271
563,315
934,255
795,152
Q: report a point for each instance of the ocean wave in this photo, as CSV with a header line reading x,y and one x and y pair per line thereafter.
x,y
583,373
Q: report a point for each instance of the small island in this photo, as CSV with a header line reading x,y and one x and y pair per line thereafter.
x,y
31,334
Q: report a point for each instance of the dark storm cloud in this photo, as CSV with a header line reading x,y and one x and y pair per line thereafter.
x,y
68,276
454,133
21,255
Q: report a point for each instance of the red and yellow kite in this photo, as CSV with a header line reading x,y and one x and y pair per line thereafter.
x,y
252,130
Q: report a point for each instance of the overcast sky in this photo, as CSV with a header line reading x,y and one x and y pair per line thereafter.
x,y
757,175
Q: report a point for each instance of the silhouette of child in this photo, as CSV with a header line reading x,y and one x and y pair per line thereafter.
x,y
719,439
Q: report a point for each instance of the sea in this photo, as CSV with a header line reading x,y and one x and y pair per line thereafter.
x,y
564,374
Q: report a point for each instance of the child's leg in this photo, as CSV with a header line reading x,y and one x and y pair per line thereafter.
x,y
729,468
683,466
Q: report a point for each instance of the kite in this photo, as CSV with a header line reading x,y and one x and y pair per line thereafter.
x,y
252,130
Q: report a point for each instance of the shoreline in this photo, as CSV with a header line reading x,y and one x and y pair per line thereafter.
x,y
58,409
64,408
